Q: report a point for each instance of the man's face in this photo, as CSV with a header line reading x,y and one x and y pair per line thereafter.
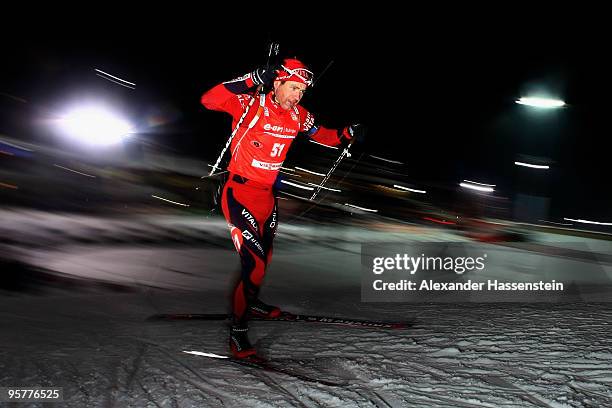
x,y
289,93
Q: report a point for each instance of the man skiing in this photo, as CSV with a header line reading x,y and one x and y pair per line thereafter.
x,y
260,144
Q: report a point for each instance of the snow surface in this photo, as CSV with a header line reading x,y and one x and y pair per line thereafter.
x,y
80,324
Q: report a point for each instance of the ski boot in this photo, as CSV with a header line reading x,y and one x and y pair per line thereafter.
x,y
261,309
240,346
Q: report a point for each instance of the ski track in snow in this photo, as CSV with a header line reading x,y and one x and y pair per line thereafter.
x,y
95,343
508,355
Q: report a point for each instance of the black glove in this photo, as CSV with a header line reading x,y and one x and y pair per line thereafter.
x,y
265,75
354,133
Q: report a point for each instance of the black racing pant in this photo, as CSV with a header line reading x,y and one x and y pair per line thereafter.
x,y
250,209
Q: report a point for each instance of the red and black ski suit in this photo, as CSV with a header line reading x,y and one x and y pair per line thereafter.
x,y
258,150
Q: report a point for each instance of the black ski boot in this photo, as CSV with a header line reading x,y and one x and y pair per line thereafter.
x,y
240,345
261,309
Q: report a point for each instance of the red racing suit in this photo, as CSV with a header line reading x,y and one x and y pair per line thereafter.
x,y
266,133
258,150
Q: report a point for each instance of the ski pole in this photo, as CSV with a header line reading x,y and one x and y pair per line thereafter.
x,y
273,49
229,141
316,81
344,153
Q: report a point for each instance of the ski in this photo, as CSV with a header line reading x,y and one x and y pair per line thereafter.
x,y
289,317
266,365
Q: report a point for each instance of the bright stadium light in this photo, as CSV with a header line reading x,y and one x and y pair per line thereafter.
x,y
477,188
533,166
480,184
588,222
360,208
409,189
95,126
536,102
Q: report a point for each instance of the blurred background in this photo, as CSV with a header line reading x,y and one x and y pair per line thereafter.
x,y
493,139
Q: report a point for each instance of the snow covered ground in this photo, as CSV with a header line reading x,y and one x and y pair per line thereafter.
x,y
79,323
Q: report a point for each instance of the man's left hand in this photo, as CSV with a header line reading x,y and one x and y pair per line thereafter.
x,y
354,133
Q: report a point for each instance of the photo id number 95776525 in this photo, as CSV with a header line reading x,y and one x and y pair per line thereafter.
x,y
30,394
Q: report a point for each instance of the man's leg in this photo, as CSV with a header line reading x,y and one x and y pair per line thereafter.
x,y
241,207
257,307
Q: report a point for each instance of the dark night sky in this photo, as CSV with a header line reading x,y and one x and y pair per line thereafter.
x,y
438,97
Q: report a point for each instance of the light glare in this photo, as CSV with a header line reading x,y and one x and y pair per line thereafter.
x,y
536,102
533,166
95,126
409,189
478,188
588,222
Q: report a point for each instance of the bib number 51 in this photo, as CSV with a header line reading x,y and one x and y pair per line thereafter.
x,y
277,149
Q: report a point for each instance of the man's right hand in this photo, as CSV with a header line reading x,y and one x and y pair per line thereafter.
x,y
264,75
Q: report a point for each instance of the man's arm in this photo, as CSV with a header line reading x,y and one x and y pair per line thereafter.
x,y
232,96
321,134
229,96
